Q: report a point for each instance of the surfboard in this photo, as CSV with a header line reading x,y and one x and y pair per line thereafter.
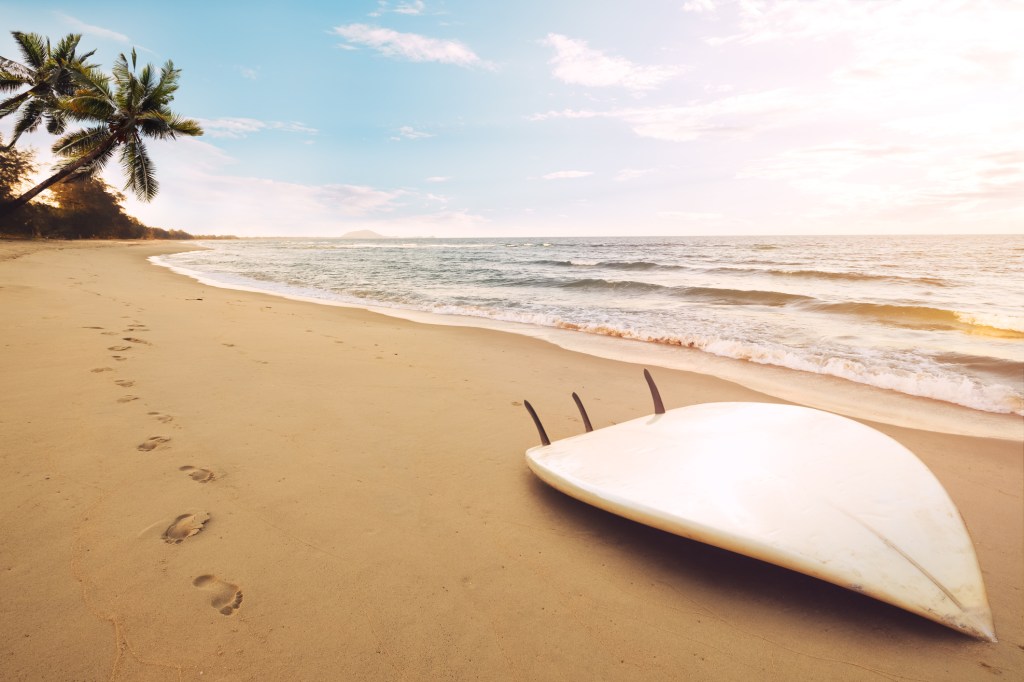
x,y
807,490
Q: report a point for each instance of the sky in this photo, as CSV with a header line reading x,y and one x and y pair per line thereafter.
x,y
450,118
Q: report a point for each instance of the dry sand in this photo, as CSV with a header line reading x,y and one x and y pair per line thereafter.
x,y
201,483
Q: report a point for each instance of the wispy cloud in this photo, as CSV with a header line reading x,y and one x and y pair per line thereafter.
x,y
415,7
410,133
90,29
627,174
439,178
235,128
577,63
742,114
566,175
411,46
250,74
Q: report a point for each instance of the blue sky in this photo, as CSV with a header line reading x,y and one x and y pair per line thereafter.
x,y
452,118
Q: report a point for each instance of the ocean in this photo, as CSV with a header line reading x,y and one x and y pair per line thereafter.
x,y
932,316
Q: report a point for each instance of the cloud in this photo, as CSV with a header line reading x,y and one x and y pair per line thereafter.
x,y
246,72
872,180
627,174
576,63
439,178
699,6
742,114
415,7
905,43
237,128
410,133
90,29
411,46
566,175
833,160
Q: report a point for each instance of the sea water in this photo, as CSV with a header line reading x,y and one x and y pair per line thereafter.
x,y
933,316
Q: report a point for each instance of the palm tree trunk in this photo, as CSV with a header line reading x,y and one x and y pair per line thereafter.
x,y
15,204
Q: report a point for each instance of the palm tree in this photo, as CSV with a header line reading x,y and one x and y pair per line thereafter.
x,y
48,73
135,108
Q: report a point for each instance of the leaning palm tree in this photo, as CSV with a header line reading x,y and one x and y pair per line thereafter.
x,y
135,108
48,73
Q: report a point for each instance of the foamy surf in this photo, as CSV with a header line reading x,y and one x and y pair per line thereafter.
x,y
891,313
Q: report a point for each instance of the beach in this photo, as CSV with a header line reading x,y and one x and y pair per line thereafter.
x,y
205,483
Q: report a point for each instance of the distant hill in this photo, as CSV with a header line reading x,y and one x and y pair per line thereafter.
x,y
363,234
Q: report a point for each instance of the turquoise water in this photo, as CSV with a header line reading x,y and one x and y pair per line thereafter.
x,y
939,317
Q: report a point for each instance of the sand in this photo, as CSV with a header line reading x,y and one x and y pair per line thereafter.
x,y
201,483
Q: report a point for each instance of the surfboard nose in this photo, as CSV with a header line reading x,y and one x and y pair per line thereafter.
x,y
978,623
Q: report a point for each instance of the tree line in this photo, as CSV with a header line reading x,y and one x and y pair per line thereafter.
x,y
86,208
55,87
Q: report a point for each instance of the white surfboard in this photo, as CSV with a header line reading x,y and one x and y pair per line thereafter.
x,y
804,489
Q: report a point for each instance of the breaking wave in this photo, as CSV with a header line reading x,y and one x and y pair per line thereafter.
x,y
925,383
921,317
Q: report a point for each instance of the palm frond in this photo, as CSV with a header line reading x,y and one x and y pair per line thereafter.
x,y
138,168
65,50
17,70
79,143
56,120
94,80
31,115
103,153
120,70
164,124
92,100
10,105
163,91
34,48
185,126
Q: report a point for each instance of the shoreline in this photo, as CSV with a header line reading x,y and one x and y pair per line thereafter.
x,y
351,489
821,391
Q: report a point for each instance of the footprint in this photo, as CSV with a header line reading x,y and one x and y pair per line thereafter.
x,y
127,398
197,474
92,327
133,340
109,333
152,442
165,418
124,383
102,369
185,526
226,596
119,348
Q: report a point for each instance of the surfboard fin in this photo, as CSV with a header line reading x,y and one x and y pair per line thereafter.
x,y
583,413
659,407
536,421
